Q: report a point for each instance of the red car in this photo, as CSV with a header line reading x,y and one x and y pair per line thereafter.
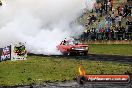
x,y
68,47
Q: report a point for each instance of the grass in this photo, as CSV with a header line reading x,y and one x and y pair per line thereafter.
x,y
38,69
111,49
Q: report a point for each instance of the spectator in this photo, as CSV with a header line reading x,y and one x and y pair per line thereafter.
x,y
120,33
129,11
116,20
119,19
108,20
123,31
102,33
113,18
110,6
93,18
113,23
106,9
125,11
107,31
112,34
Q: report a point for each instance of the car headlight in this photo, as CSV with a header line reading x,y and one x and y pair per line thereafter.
x,y
72,48
86,48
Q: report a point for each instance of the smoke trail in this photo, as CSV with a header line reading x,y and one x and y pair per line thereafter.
x,y
42,24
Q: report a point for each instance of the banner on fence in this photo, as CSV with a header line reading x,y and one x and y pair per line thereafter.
x,y
6,53
18,52
13,52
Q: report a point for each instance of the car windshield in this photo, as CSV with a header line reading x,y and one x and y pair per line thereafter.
x,y
74,42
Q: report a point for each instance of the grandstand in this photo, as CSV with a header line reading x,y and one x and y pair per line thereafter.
x,y
108,20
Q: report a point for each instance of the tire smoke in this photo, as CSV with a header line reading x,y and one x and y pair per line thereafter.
x,y
42,24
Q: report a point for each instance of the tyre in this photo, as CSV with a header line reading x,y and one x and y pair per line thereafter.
x,y
67,54
81,80
85,53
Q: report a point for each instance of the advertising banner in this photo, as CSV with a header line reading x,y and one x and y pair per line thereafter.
x,y
18,52
6,53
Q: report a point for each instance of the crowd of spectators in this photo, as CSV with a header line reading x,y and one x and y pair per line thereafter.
x,y
116,23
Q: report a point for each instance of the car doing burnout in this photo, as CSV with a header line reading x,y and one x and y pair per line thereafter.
x,y
68,47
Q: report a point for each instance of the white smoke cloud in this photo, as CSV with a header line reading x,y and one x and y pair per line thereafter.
x,y
42,24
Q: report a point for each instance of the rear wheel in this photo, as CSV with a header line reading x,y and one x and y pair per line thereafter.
x,y
85,53
67,54
81,80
